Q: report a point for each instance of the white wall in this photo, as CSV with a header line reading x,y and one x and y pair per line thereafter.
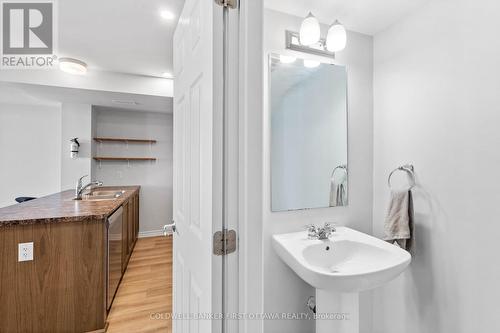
x,y
155,178
76,123
436,86
30,137
283,290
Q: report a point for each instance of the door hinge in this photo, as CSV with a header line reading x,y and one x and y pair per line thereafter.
x,y
233,4
224,242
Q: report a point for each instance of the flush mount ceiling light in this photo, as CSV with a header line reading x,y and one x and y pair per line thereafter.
x,y
310,30
286,59
72,66
311,63
167,15
336,39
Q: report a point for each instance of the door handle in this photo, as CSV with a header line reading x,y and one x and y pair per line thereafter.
x,y
169,229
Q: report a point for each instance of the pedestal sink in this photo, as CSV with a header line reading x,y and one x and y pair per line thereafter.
x,y
339,268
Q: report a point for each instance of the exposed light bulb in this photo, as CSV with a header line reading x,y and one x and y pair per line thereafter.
x,y
311,63
310,30
286,59
336,39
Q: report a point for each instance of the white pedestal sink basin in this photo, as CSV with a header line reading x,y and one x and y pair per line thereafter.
x,y
339,268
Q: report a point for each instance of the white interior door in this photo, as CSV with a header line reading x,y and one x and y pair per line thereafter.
x,y
195,100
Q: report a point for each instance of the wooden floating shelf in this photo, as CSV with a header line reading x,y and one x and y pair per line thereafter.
x,y
124,140
124,158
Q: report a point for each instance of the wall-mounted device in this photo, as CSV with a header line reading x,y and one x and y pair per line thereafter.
x,y
74,147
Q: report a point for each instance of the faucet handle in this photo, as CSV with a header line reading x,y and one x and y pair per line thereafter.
x,y
309,227
330,227
311,230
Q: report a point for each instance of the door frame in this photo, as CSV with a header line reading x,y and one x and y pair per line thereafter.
x,y
250,62
238,277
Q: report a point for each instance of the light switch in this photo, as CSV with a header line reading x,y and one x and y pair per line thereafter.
x,y
25,252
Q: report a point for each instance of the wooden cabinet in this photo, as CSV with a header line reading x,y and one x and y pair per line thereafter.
x,y
136,224
130,228
63,289
131,225
125,254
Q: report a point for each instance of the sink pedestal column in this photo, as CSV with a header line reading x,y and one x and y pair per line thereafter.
x,y
337,312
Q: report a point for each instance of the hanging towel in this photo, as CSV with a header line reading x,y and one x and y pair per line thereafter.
x,y
338,192
399,220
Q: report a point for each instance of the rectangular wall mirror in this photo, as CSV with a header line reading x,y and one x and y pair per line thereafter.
x,y
308,106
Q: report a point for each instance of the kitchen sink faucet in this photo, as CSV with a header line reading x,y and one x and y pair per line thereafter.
x,y
80,187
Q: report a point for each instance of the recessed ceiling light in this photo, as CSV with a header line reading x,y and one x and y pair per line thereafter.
x,y
167,15
167,75
72,66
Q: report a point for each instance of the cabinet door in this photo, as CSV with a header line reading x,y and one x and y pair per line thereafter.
x,y
136,217
125,249
130,222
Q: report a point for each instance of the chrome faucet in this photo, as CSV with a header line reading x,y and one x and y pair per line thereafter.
x,y
314,232
80,187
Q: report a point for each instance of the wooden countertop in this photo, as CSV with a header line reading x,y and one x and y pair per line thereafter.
x,y
60,207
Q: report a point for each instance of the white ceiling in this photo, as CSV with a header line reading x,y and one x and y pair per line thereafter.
x,y
34,94
127,36
365,16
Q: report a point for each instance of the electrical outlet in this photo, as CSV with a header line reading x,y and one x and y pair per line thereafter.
x,y
25,252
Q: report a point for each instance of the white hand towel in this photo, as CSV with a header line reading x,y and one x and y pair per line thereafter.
x,y
399,220
338,192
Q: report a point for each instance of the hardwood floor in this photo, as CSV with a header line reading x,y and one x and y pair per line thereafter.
x,y
146,290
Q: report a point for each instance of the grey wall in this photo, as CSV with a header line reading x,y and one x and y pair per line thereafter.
x,y
283,290
155,178
30,162
436,88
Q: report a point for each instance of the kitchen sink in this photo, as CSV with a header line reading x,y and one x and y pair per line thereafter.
x,y
102,195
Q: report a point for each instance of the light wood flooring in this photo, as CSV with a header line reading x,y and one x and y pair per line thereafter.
x,y
145,290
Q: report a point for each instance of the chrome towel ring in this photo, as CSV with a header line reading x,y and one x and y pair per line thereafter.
x,y
340,167
409,169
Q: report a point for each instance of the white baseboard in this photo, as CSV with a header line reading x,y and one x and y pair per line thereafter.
x,y
151,233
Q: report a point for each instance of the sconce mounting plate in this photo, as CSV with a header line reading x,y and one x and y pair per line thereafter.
x,y
292,43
